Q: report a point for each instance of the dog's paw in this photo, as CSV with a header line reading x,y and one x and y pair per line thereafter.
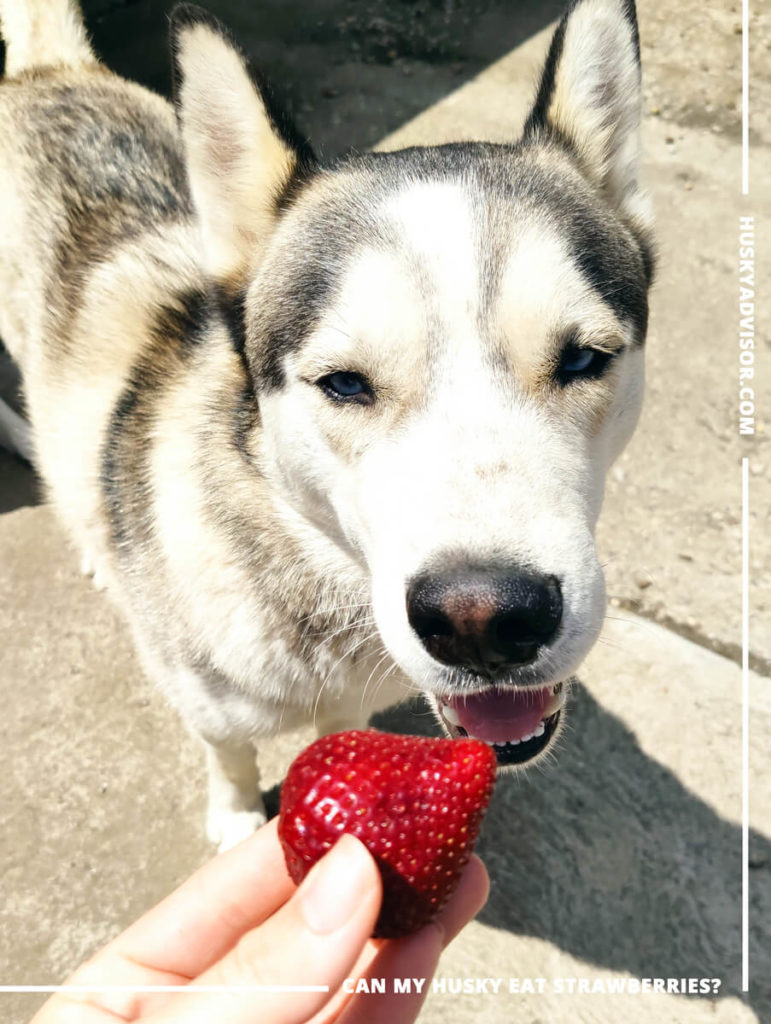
x,y
227,828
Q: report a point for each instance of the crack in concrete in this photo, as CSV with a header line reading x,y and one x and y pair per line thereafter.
x,y
733,651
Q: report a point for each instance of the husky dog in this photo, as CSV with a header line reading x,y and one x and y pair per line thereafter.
x,y
329,435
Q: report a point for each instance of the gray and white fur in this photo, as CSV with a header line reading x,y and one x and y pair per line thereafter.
x,y
328,435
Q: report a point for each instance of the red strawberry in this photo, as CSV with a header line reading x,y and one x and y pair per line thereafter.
x,y
415,803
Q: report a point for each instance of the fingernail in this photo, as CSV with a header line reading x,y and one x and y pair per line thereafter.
x,y
336,886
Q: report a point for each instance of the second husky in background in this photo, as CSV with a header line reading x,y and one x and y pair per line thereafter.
x,y
330,436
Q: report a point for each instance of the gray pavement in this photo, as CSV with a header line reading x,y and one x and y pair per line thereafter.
x,y
623,858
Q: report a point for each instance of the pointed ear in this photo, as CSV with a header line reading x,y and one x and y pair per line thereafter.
x,y
590,98
241,151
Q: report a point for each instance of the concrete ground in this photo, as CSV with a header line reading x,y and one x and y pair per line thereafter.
x,y
623,858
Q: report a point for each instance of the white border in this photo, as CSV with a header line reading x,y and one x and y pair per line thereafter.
x,y
745,552
744,681
745,723
745,97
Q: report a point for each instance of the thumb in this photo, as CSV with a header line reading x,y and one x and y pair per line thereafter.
x,y
313,940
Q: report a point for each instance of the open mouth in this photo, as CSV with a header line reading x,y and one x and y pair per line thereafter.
x,y
518,724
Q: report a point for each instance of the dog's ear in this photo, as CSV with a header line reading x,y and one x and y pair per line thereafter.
x,y
241,151
589,97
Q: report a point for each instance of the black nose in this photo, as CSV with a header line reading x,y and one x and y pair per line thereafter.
x,y
485,620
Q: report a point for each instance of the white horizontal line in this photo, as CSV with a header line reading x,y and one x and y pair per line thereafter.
x,y
163,988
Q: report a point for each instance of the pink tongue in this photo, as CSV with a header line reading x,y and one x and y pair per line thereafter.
x,y
496,716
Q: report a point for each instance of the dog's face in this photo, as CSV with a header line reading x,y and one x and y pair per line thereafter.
x,y
446,346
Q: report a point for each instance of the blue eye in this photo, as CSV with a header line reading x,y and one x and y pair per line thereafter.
x,y
347,386
577,362
574,360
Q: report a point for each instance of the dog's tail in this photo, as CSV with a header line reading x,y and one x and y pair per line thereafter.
x,y
43,33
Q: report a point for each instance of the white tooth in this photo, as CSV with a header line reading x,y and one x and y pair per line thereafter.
x,y
555,703
450,714
514,742
540,730
527,737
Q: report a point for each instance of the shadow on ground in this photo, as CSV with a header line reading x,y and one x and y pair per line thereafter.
x,y
352,71
608,856
19,485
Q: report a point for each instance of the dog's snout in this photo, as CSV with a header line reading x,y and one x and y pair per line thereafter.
x,y
484,620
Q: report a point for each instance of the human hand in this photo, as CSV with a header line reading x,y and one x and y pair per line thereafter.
x,y
240,922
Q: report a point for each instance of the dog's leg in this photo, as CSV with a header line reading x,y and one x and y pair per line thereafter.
x,y
213,716
236,808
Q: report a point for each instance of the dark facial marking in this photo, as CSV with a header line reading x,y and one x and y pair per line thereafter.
x,y
283,324
299,286
611,265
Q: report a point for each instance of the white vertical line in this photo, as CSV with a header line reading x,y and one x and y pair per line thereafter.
x,y
745,97
745,557
745,726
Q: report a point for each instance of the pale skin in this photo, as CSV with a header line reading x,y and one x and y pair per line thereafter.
x,y
241,921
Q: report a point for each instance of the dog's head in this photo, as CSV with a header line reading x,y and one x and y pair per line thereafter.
x,y
446,349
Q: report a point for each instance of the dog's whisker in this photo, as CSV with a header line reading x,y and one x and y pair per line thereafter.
x,y
329,675
357,625
354,629
614,644
369,678
404,682
629,621
327,612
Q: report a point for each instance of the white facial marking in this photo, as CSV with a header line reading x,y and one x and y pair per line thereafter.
x,y
436,223
459,455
